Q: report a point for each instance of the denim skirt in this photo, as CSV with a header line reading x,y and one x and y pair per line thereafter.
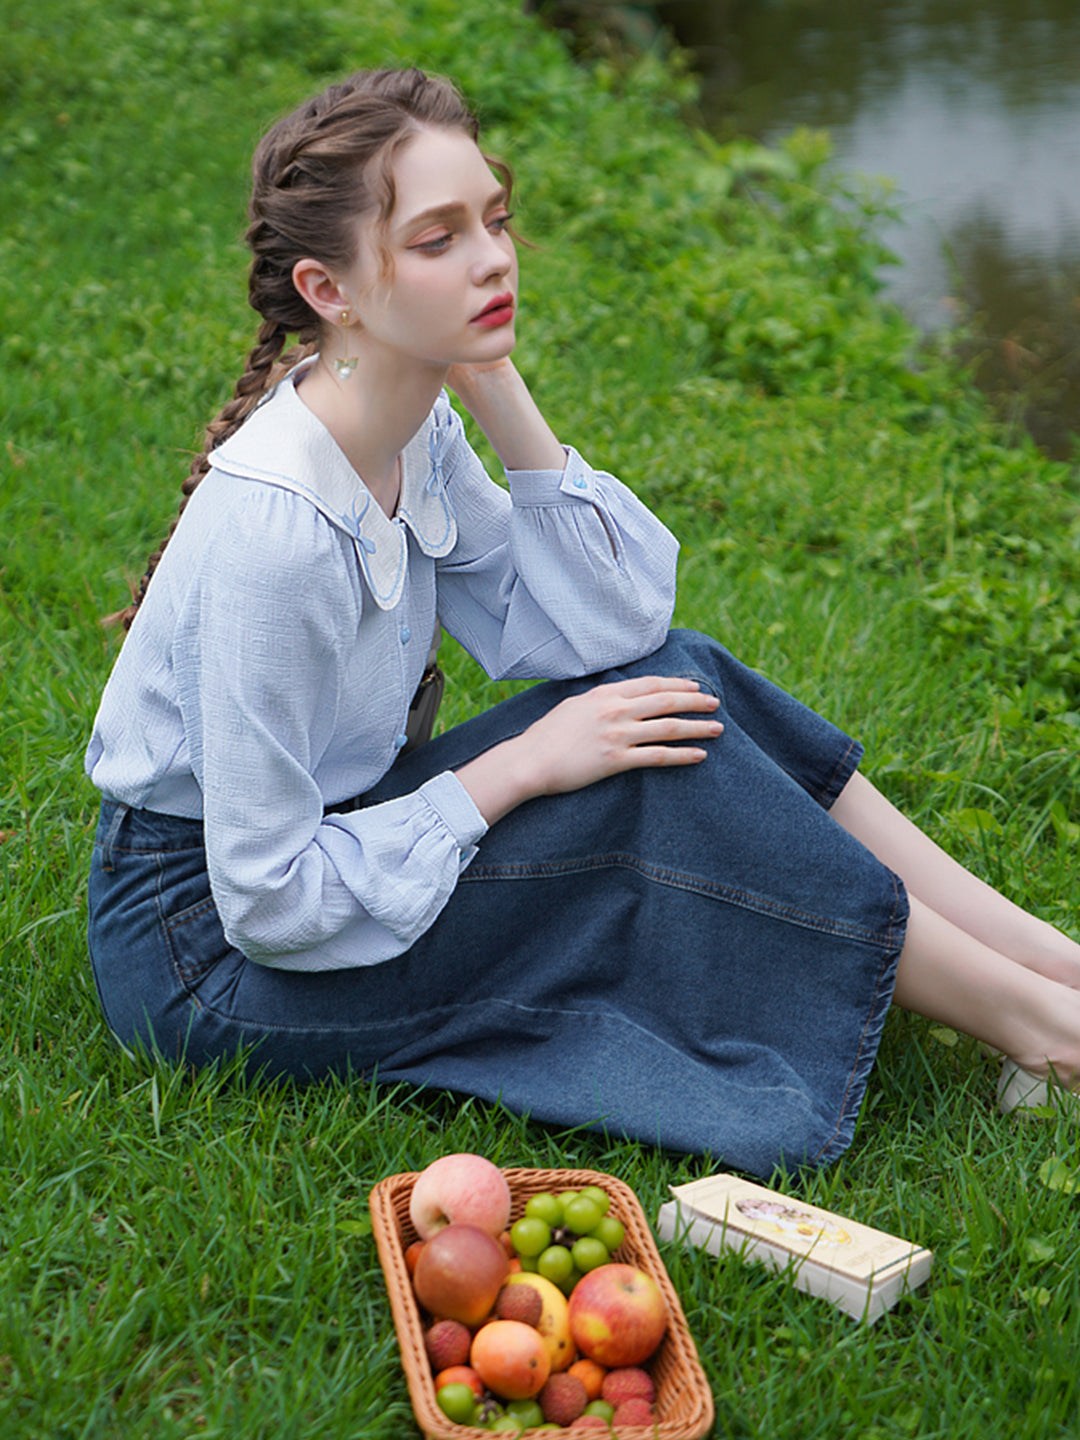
x,y
695,957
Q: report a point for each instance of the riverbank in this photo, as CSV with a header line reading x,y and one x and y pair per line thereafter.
x,y
187,1258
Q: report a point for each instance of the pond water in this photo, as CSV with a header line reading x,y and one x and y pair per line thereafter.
x,y
973,108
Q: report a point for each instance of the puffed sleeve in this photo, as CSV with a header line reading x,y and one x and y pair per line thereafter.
x,y
257,655
568,574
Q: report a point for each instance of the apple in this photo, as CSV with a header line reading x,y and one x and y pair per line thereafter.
x,y
460,1189
617,1315
460,1272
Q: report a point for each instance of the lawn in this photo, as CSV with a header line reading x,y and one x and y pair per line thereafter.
x,y
191,1256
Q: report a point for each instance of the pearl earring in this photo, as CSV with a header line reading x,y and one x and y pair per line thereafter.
x,y
346,364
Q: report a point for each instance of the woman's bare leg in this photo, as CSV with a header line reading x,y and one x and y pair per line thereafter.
x,y
953,977
942,884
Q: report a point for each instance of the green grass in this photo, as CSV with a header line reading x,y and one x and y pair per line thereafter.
x,y
190,1256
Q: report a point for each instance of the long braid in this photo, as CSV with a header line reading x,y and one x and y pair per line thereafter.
x,y
316,173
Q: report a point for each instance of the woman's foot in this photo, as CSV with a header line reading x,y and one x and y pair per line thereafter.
x,y
1019,1089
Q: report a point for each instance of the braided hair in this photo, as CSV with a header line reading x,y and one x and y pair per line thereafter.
x,y
315,173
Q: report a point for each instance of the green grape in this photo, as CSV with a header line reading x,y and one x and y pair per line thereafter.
x,y
581,1215
458,1403
555,1264
527,1412
601,1408
588,1253
611,1231
544,1207
564,1197
530,1235
602,1198
567,1285
530,1264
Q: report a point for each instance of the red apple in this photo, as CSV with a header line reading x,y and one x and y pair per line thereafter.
x,y
460,1190
617,1315
460,1272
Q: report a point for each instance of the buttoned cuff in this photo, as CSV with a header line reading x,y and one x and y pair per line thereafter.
x,y
456,809
554,487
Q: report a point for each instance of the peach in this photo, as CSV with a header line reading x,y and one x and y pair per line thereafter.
x,y
460,1272
511,1359
462,1189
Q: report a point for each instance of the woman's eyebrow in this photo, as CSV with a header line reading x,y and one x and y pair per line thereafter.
x,y
453,210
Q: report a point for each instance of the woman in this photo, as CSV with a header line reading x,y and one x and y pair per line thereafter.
x,y
653,894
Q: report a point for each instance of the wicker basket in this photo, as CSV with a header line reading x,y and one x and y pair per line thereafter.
x,y
684,1406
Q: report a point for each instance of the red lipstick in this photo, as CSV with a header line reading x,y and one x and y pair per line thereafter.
x,y
499,311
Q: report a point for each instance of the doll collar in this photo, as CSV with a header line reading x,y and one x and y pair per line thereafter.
x,y
282,443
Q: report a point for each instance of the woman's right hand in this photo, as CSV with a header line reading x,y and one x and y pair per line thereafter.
x,y
625,725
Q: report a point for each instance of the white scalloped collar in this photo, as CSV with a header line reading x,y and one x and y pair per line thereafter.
x,y
282,441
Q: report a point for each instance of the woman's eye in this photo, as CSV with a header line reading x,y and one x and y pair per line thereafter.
x,y
435,245
499,222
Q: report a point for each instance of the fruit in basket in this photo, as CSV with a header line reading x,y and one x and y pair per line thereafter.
x,y
447,1343
632,1412
591,1376
554,1321
460,1375
562,1398
458,1403
519,1302
628,1383
461,1189
459,1274
617,1315
510,1358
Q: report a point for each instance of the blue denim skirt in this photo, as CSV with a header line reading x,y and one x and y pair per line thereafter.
x,y
697,957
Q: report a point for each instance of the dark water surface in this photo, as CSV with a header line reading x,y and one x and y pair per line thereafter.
x,y
973,107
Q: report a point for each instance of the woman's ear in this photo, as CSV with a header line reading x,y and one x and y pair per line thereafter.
x,y
319,289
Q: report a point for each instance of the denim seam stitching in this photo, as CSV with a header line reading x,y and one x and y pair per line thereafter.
x,y
676,879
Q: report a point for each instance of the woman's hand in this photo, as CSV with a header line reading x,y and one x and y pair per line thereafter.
x,y
499,401
625,725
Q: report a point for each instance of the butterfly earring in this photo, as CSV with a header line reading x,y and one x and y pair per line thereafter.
x,y
346,364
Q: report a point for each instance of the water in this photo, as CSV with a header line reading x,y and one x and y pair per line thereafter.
x,y
973,107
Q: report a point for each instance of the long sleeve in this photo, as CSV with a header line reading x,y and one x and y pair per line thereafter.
x,y
568,574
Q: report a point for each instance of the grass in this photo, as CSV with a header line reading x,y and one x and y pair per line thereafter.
x,y
189,1256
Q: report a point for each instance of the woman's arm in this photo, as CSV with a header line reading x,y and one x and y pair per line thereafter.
x,y
499,401
625,725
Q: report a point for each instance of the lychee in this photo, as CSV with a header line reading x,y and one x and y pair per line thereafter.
x,y
588,1422
632,1412
628,1383
519,1302
447,1343
562,1398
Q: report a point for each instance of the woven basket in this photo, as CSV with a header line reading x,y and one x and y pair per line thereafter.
x,y
684,1406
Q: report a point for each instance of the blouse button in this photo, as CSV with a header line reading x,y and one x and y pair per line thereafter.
x,y
400,741
406,634
580,483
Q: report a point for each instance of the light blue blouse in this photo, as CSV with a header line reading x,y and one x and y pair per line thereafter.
x,y
269,670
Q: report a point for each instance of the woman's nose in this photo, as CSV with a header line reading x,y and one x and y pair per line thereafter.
x,y
493,258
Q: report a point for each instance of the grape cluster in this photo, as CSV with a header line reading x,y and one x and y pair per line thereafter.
x,y
564,1236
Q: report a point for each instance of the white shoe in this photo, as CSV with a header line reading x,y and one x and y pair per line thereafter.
x,y
1018,1089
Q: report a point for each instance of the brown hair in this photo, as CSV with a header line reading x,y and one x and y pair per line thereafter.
x,y
314,174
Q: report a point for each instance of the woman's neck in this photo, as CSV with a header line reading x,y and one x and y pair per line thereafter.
x,y
372,415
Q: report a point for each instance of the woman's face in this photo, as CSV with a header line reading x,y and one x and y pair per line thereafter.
x,y
450,293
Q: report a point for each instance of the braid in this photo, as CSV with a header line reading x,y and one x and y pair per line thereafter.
x,y
316,173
